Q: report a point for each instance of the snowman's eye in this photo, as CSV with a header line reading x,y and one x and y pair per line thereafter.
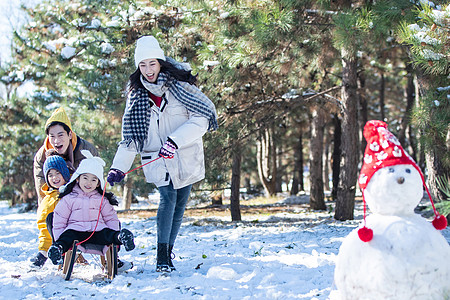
x,y
408,171
391,170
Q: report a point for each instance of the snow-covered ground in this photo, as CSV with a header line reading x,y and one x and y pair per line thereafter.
x,y
284,256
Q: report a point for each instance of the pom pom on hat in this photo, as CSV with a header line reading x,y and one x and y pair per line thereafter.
x,y
384,150
147,47
365,234
439,222
91,164
58,163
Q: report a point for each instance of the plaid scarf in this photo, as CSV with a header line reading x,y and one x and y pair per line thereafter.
x,y
136,119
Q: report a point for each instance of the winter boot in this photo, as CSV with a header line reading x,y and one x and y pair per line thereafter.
x,y
127,239
38,260
162,258
123,265
55,254
171,256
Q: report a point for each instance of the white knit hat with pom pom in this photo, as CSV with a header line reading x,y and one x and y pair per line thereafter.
x,y
91,164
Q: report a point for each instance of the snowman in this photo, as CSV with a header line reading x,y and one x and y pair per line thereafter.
x,y
395,254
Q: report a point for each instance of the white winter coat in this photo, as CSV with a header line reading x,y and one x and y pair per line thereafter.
x,y
186,129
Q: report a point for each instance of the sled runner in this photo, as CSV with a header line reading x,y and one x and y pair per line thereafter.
x,y
108,258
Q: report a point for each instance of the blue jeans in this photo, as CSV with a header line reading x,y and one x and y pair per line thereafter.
x,y
170,212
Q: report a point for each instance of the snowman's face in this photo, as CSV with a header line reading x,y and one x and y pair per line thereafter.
x,y
394,190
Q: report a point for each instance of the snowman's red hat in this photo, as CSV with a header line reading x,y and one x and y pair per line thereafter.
x,y
384,150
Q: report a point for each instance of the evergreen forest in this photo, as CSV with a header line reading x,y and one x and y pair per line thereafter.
x,y
293,81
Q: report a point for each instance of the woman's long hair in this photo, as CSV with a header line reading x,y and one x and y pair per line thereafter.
x,y
68,188
167,67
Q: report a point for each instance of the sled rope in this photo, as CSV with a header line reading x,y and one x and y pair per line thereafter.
x,y
103,196
143,165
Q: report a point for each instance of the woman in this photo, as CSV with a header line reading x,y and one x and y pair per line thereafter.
x,y
165,116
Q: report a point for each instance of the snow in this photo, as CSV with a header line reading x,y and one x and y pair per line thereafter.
x,y
106,63
431,55
115,22
282,256
442,89
95,23
210,63
107,48
68,52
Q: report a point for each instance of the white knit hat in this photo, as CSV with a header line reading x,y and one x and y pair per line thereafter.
x,y
91,164
147,47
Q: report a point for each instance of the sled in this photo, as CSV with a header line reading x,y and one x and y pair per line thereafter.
x,y
108,258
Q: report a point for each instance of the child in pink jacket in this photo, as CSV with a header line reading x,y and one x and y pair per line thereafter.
x,y
76,214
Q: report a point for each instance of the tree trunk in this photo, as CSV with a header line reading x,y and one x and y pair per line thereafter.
x,y
247,184
127,193
279,164
363,110
301,178
266,157
317,201
382,102
216,195
297,179
420,149
326,161
28,196
412,137
336,167
409,97
235,185
345,200
435,169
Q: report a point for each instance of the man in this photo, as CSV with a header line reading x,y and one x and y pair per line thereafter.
x,y
68,145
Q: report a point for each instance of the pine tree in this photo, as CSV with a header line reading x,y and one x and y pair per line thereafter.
x,y
78,54
259,53
428,40
18,141
367,28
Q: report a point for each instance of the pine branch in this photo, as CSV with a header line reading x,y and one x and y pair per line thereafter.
x,y
297,100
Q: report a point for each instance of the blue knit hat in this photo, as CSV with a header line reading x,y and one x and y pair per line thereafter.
x,y
58,163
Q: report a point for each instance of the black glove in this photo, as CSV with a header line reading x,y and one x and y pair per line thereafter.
x,y
115,175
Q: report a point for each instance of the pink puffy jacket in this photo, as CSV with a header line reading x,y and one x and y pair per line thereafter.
x,y
79,211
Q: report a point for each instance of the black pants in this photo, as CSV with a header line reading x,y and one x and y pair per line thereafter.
x,y
103,237
49,222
